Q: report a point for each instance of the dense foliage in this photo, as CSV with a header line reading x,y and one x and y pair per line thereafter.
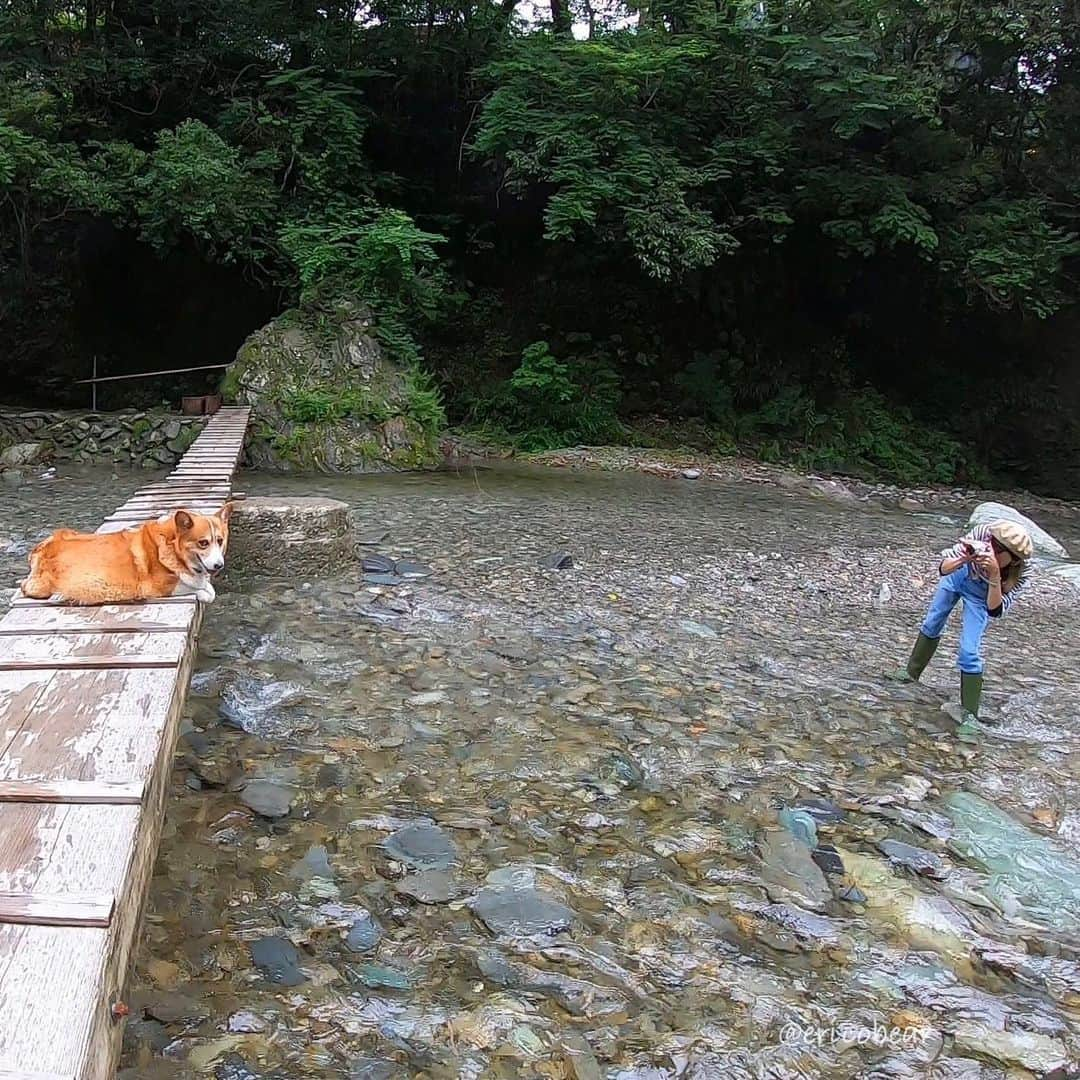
x,y
837,230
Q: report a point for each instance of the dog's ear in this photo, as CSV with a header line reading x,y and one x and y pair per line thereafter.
x,y
184,522
226,513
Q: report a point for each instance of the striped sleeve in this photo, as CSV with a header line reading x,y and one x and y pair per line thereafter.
x,y
1008,598
981,533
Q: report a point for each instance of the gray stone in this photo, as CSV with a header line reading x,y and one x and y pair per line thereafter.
x,y
171,1008
315,863
914,858
407,569
1044,544
428,887
267,798
691,474
422,847
294,535
557,560
331,353
521,912
789,872
278,959
364,934
383,579
23,455
377,564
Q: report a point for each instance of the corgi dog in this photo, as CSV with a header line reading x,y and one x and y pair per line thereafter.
x,y
174,555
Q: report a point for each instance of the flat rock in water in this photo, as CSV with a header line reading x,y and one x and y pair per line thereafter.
x,y
917,859
521,912
428,887
364,934
790,873
406,569
557,560
377,564
172,1008
380,977
828,859
268,798
372,537
1038,1053
255,706
383,579
422,847
822,811
315,863
801,825
278,959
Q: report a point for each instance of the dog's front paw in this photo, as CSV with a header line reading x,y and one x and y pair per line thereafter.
x,y
206,593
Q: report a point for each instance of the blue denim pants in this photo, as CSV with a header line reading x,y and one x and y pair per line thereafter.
x,y
961,585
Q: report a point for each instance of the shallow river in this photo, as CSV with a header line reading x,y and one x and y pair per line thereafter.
x,y
654,815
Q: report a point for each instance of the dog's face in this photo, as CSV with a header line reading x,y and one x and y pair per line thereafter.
x,y
201,540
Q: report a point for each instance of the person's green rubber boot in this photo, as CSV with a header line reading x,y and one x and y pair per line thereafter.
x,y
970,698
920,656
971,693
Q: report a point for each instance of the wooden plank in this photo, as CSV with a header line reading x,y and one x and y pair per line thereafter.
x,y
148,616
37,909
50,971
85,792
7,1074
65,849
102,726
119,649
27,602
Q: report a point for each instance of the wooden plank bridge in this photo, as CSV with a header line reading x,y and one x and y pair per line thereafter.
x,y
90,701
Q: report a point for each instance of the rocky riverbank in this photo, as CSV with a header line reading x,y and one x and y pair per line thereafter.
x,y
688,465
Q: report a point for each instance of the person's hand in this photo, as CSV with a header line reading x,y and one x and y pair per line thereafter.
x,y
968,552
989,566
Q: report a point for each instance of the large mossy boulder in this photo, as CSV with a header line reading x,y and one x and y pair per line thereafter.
x,y
325,395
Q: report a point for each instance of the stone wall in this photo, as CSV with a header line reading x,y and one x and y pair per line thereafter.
x,y
149,439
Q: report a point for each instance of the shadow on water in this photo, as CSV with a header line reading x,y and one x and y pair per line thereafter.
x,y
656,815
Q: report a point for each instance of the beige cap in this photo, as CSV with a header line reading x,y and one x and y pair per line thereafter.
x,y
1013,538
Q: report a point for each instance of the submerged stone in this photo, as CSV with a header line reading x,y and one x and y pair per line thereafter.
x,y
364,934
422,847
428,887
377,564
521,912
380,977
921,861
268,798
790,873
278,959
1025,869
557,560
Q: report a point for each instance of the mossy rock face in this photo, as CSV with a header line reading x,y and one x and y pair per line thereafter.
x,y
325,396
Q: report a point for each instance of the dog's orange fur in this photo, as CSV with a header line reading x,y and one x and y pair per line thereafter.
x,y
160,558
